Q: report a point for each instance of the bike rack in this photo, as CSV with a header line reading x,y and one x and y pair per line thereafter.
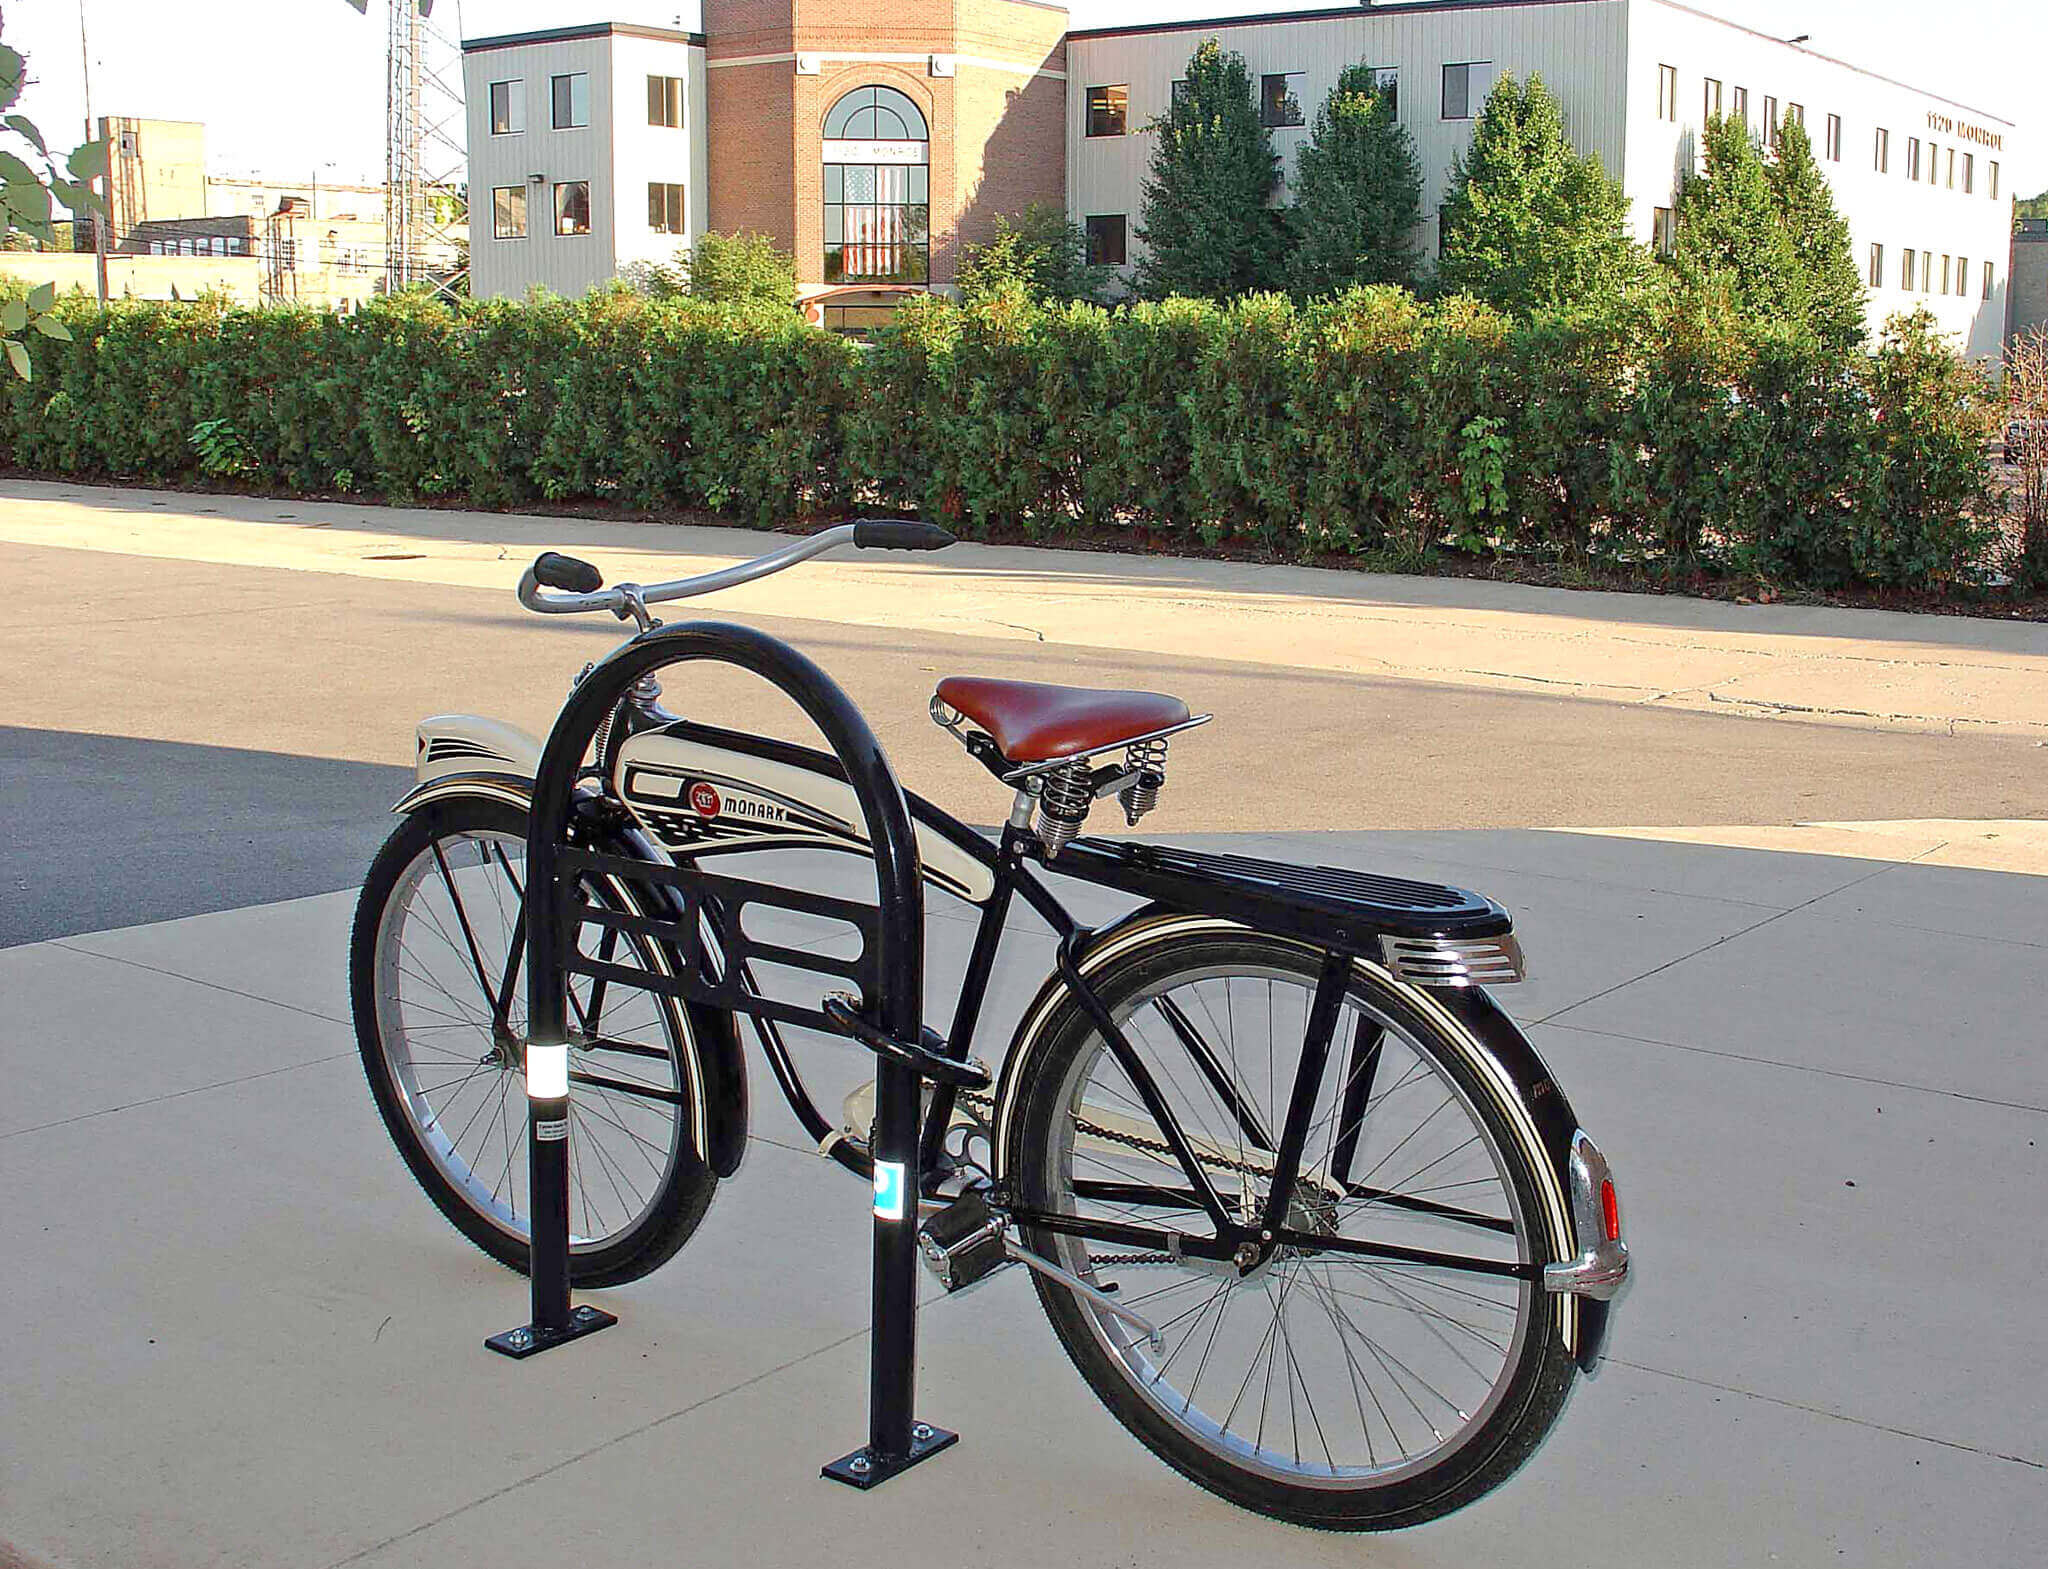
x,y
889,974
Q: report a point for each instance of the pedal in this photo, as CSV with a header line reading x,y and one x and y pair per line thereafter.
x,y
963,1243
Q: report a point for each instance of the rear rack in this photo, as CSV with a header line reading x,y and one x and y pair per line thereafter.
x,y
1326,905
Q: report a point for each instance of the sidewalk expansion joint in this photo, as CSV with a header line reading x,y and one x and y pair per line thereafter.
x,y
1834,1416
114,958
197,1089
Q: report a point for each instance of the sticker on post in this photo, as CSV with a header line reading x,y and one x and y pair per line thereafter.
x,y
551,1128
889,1190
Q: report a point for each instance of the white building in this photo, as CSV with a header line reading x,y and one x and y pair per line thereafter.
x,y
1918,176
584,153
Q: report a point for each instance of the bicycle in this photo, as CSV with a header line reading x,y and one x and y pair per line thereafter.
x,y
1303,1206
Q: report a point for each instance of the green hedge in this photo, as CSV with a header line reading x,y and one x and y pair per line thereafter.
x,y
1672,435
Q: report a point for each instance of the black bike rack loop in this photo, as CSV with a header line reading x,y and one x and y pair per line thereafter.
x,y
896,1440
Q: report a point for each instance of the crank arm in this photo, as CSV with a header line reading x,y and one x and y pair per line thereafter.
x,y
1073,1282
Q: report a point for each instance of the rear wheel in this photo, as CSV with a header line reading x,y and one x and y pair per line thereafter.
x,y
439,988
1328,1388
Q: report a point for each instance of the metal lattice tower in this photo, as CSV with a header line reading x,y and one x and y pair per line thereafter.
x,y
426,207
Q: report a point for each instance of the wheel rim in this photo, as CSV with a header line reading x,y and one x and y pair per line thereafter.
x,y
1322,1370
460,1081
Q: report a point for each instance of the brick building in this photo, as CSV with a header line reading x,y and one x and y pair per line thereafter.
x,y
870,138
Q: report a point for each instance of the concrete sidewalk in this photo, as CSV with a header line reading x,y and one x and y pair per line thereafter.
x,y
239,1335
1873,669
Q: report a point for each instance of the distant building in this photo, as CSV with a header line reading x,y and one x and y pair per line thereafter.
x,y
2028,308
873,141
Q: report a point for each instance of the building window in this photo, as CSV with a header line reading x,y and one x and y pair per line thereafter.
x,y
664,208
665,102
1944,274
1912,157
508,108
508,212
1994,179
1667,92
1179,93
1795,114
1969,174
1741,110
1987,280
1933,164
1664,230
1710,107
1466,87
1386,81
1951,168
572,101
1907,261
1280,98
1770,122
878,187
1962,276
572,207
1835,138
1108,109
1443,231
1106,240
1881,156
1877,266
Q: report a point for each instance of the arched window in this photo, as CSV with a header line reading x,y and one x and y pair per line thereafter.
x,y
877,189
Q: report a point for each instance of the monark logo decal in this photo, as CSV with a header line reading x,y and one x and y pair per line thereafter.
x,y
704,799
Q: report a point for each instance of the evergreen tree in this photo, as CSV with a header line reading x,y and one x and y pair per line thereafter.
x,y
1819,239
1528,222
1204,221
1729,235
1358,194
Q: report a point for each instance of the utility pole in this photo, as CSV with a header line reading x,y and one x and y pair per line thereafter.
x,y
99,220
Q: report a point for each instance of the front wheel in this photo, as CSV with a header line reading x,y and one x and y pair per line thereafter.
x,y
1330,1388
438,982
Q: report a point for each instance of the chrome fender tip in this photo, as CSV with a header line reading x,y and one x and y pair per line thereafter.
x,y
1600,1269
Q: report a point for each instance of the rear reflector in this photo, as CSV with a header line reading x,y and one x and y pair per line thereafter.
x,y
1610,1210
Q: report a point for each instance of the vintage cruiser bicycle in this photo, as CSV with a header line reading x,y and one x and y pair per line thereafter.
x,y
1303,1205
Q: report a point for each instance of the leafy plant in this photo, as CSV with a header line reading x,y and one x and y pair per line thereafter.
x,y
1040,250
741,269
222,452
28,201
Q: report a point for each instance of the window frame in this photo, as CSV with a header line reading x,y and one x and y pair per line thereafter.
x,y
1969,174
1796,114
1881,151
1120,109
1386,81
671,93
1876,269
1962,277
557,107
1908,265
1947,261
1770,122
498,231
1664,231
1740,101
1994,177
672,198
562,188
1273,116
1710,99
1123,238
515,106
1913,158
1834,138
1987,277
1667,93
1444,89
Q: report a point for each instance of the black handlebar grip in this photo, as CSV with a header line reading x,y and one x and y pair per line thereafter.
x,y
566,573
899,534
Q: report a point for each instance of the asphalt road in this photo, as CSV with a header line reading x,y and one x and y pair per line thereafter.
x,y
284,703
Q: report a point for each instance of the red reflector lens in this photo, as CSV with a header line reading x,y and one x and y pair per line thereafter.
x,y
1610,1211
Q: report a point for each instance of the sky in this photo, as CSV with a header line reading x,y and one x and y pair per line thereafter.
x,y
295,88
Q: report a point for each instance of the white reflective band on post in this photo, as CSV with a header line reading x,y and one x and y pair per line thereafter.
x,y
547,1072
889,1190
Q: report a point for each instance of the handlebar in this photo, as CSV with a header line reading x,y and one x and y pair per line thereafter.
x,y
583,585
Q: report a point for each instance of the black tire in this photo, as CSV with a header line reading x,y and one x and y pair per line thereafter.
x,y
617,1141
1072,1118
